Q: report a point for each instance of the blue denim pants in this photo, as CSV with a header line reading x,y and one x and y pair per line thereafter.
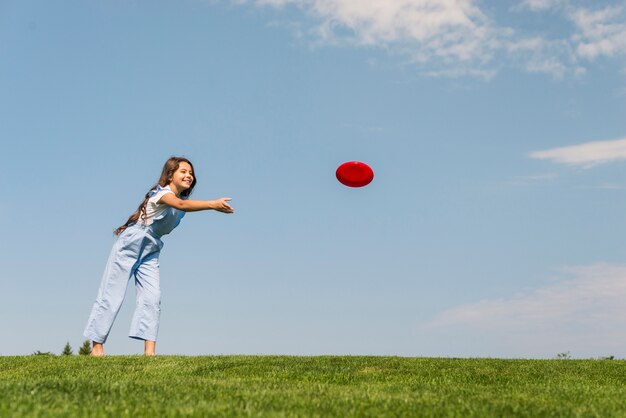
x,y
135,254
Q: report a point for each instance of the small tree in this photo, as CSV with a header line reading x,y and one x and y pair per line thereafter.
x,y
67,350
85,350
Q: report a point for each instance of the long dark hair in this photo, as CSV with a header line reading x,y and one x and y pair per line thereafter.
x,y
169,168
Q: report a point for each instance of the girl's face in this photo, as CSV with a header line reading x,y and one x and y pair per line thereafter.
x,y
182,177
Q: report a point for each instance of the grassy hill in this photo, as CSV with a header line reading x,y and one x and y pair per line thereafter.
x,y
327,386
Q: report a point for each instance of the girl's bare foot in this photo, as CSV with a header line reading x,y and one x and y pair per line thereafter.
x,y
149,348
97,349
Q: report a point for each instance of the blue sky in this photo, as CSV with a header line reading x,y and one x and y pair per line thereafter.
x,y
494,225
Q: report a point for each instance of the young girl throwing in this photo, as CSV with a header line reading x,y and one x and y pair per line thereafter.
x,y
136,254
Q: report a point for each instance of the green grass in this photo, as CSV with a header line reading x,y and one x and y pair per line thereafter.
x,y
328,386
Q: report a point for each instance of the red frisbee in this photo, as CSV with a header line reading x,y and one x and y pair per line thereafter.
x,y
355,174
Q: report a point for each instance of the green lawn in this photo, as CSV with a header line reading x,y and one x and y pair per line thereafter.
x,y
328,386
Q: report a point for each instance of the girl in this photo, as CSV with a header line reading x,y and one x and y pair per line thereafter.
x,y
136,254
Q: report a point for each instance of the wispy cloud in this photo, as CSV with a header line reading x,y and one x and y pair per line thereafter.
x,y
583,312
587,155
612,186
531,179
458,38
539,5
602,32
539,55
430,30
599,31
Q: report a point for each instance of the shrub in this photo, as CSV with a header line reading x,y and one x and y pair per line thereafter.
x,y
42,353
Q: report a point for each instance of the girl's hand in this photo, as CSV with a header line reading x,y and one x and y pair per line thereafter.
x,y
221,205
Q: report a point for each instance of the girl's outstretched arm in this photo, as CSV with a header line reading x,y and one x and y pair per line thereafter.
x,y
220,205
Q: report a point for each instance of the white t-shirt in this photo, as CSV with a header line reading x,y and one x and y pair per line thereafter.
x,y
156,210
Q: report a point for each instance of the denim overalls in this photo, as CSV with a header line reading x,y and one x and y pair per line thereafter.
x,y
134,254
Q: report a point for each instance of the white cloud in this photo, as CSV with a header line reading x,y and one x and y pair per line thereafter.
x,y
460,72
539,5
395,20
602,32
612,186
446,31
531,179
584,313
457,38
548,65
587,155
539,55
